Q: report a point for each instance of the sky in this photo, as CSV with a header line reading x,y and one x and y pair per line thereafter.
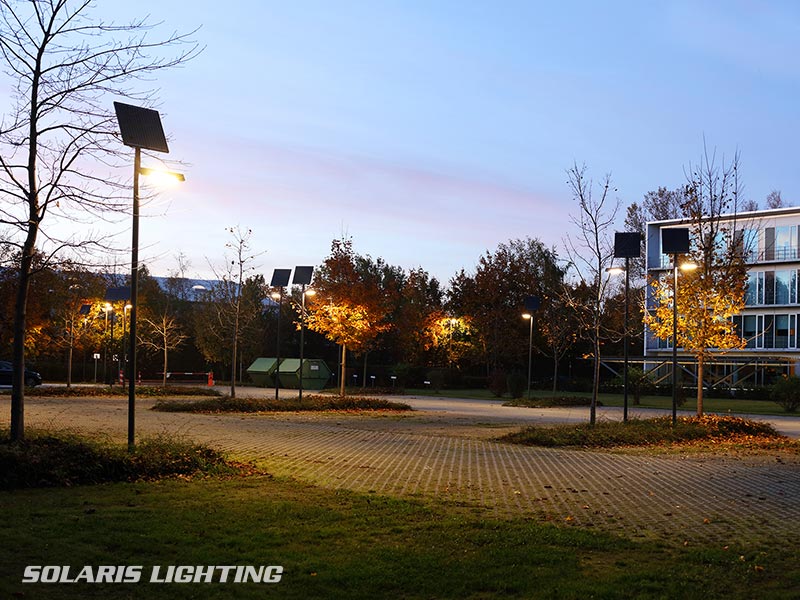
x,y
431,131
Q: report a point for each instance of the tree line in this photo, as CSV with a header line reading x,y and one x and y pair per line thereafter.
x,y
61,159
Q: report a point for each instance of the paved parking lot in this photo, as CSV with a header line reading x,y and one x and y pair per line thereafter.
x,y
449,455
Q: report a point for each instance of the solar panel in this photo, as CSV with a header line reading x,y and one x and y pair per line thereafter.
x,y
117,294
141,127
280,277
674,240
532,303
302,275
627,245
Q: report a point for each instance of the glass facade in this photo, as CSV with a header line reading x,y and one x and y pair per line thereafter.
x,y
771,248
771,287
770,332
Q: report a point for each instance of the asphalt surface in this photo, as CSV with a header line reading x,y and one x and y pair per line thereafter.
x,y
445,450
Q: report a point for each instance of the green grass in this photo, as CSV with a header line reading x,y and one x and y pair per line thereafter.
x,y
726,430
712,405
46,459
311,402
335,544
93,391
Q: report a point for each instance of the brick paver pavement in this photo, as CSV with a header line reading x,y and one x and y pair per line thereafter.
x,y
676,499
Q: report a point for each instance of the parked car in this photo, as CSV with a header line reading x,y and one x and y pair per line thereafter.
x,y
32,378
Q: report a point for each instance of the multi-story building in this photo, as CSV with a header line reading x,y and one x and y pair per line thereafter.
x,y
769,321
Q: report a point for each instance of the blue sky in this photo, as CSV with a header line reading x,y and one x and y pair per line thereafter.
x,y
432,131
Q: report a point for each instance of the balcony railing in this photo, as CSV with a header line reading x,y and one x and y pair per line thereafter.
x,y
782,254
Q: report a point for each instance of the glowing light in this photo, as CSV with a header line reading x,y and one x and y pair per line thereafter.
x,y
162,177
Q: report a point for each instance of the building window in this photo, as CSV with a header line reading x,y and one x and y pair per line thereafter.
x,y
781,331
750,245
769,287
783,282
768,329
749,330
751,293
785,242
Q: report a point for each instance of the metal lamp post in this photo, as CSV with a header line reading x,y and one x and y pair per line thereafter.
x,y
105,349
280,279
532,304
110,310
140,129
305,293
530,350
627,245
302,277
124,357
675,241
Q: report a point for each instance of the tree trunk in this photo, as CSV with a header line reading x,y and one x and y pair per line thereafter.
x,y
18,349
69,354
233,357
596,382
700,365
165,365
364,381
344,370
555,373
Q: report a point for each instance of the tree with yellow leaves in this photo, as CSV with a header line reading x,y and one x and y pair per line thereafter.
x,y
714,291
354,297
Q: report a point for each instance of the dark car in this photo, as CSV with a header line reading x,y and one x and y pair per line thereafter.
x,y
32,378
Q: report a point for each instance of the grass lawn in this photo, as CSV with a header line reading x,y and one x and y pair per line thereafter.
x,y
346,545
710,405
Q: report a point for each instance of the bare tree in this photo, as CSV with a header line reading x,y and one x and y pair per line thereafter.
x,y
590,254
162,332
228,310
749,205
774,200
65,65
557,326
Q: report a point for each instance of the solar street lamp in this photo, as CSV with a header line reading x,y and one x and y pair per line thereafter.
x,y
280,279
140,129
627,245
675,241
302,277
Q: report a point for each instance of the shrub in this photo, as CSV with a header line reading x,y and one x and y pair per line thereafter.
x,y
647,432
48,459
786,393
84,391
436,377
553,401
311,402
517,384
497,383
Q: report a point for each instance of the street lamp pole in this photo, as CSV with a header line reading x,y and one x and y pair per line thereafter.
x,y
302,332
140,128
529,316
675,339
278,343
137,165
105,349
302,335
625,342
123,356
110,309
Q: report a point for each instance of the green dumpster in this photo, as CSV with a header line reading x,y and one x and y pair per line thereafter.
x,y
262,371
315,373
